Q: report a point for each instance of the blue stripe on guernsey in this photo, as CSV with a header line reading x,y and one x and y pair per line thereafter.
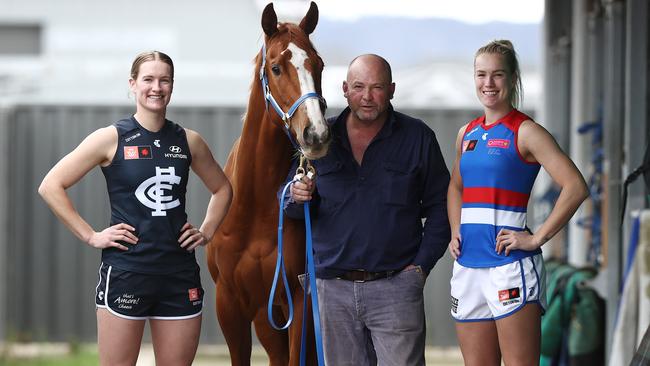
x,y
497,183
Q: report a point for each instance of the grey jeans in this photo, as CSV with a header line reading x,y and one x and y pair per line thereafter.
x,y
373,323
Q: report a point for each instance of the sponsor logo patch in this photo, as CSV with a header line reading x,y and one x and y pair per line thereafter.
x,y
137,152
131,138
509,296
501,143
144,152
130,152
193,294
469,145
454,304
175,153
127,301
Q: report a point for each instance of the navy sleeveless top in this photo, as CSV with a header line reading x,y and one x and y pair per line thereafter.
x,y
146,183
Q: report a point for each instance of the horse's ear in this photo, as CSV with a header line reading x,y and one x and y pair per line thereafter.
x,y
308,23
269,20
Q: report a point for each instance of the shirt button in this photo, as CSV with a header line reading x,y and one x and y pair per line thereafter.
x,y
362,178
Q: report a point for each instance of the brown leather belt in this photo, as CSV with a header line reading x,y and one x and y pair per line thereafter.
x,y
359,275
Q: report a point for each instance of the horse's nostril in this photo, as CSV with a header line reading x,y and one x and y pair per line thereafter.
x,y
311,138
325,137
307,136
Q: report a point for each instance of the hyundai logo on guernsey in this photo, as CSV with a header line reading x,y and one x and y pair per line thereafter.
x,y
175,153
151,192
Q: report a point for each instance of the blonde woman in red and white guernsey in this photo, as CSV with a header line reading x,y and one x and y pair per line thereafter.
x,y
498,283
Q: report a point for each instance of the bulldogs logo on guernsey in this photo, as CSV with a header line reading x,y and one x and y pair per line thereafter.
x,y
497,184
146,183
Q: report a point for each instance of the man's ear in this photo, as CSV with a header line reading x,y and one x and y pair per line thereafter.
x,y
345,88
391,90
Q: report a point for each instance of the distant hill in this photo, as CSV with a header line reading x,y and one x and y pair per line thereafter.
x,y
407,42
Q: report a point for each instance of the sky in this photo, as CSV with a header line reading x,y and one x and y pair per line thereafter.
x,y
470,11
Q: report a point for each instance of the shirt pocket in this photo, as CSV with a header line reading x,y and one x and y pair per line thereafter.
x,y
400,185
330,183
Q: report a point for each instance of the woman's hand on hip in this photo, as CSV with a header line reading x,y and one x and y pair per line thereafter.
x,y
191,237
110,236
509,240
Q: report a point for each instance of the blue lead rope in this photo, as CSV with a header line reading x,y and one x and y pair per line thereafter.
x,y
279,267
309,285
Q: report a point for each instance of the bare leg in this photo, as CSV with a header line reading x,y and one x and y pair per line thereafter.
x,y
479,343
175,341
520,336
118,339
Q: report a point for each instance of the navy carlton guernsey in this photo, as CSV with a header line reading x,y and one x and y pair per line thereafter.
x,y
146,182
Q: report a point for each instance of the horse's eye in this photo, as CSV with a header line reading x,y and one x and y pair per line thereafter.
x,y
275,69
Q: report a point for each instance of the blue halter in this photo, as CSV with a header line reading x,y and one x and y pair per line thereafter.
x,y
268,98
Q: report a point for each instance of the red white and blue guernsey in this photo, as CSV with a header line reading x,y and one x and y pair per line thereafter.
x,y
497,182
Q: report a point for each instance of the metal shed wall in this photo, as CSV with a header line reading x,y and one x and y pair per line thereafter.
x,y
47,277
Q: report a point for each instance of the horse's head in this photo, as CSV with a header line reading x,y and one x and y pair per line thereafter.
x,y
291,76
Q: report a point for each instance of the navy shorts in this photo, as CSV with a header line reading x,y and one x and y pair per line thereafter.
x,y
139,296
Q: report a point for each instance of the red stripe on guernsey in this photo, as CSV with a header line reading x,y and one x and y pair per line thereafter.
x,y
502,197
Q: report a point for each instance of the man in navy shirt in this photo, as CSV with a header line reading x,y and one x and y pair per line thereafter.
x,y
383,174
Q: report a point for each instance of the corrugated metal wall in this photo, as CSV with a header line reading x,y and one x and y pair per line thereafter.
x,y
48,277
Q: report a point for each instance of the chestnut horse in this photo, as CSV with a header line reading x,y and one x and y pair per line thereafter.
x,y
242,254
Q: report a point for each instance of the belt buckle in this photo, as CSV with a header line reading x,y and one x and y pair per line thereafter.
x,y
363,275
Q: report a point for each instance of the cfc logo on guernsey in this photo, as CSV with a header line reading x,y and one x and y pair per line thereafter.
x,y
151,192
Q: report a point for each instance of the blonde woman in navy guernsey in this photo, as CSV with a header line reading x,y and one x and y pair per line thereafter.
x,y
498,282
148,269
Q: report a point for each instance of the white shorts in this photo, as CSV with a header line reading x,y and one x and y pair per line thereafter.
x,y
495,292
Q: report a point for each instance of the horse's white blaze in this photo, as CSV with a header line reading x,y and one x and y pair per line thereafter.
x,y
298,57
